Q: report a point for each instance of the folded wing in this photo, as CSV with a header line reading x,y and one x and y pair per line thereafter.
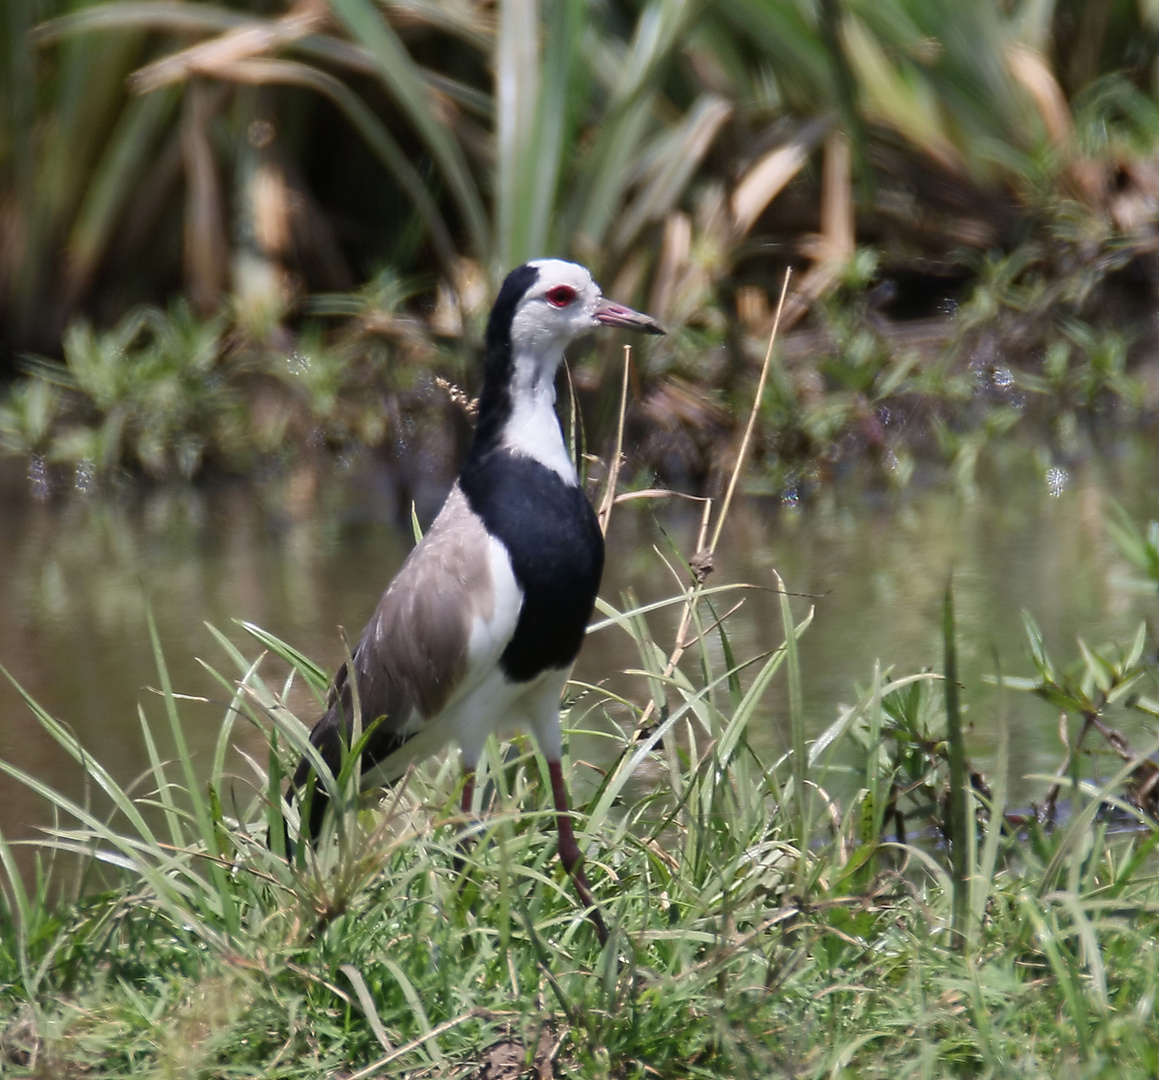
x,y
438,624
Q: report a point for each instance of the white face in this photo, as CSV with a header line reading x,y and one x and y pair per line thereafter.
x,y
563,304
560,307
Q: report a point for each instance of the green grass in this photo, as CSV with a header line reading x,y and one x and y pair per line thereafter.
x,y
768,917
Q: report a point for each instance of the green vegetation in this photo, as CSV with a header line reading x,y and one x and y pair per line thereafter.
x,y
797,916
167,395
996,159
189,195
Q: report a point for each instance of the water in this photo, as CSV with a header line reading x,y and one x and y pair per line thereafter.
x,y
304,554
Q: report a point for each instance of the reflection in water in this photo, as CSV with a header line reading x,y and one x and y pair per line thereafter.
x,y
301,558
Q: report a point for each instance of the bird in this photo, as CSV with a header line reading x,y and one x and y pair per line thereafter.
x,y
478,630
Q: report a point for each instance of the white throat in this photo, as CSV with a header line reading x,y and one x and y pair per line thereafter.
x,y
533,428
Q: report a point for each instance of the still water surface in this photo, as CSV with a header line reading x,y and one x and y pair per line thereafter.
x,y
301,556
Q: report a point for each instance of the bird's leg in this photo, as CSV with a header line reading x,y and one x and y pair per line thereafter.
x,y
465,806
569,852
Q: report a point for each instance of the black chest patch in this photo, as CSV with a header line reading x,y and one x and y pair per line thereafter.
x,y
557,553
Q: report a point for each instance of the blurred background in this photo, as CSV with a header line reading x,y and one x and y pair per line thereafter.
x,y
247,251
234,235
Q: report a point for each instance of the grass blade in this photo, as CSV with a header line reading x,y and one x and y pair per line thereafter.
x,y
961,823
209,836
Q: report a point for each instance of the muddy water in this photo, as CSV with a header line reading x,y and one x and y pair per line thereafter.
x,y
301,556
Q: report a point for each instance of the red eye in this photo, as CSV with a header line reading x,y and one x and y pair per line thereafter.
x,y
560,295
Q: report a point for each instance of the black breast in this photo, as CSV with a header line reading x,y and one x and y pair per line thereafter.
x,y
556,548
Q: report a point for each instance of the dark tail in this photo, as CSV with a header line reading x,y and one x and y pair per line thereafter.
x,y
330,737
326,738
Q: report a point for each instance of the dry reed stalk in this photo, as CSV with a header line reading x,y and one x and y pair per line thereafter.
x,y
686,616
609,498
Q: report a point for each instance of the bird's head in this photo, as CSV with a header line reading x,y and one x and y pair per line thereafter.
x,y
541,308
546,304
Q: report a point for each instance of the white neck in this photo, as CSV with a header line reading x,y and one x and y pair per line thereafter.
x,y
533,428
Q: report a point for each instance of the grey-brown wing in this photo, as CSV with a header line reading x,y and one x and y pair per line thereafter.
x,y
414,651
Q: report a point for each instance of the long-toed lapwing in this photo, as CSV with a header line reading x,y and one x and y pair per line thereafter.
x,y
479,628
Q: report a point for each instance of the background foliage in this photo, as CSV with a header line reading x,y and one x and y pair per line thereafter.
x,y
909,159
